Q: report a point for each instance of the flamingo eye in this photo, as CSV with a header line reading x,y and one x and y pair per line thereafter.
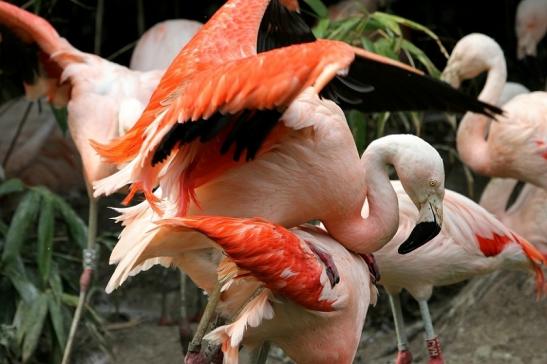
x,y
433,183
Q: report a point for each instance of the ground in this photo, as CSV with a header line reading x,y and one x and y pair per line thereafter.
x,y
492,320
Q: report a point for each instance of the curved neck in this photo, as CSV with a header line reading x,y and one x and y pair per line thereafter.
x,y
470,139
366,235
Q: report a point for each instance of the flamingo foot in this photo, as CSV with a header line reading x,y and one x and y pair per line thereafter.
x,y
404,357
434,350
209,355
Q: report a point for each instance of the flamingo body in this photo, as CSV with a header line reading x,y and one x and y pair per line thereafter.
x,y
157,47
526,215
471,242
297,288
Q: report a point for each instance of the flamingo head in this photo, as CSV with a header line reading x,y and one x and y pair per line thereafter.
x,y
473,54
421,171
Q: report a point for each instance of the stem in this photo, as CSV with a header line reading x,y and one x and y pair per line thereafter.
x,y
212,303
85,278
99,26
17,134
140,16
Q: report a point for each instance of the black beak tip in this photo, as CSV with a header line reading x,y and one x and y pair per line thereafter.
x,y
421,234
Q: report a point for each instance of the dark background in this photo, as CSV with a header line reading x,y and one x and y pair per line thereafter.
x,y
450,19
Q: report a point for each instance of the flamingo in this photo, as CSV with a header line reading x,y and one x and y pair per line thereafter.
x,y
142,245
297,288
472,242
229,99
530,26
516,146
529,211
157,47
103,100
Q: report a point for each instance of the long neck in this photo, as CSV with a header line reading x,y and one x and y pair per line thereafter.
x,y
366,235
470,140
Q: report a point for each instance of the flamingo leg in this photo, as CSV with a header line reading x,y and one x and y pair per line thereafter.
x,y
431,339
85,278
403,356
194,348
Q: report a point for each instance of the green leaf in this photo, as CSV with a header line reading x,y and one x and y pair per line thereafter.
x,y
56,316
20,226
61,116
385,21
17,274
33,324
318,7
356,120
11,186
388,18
421,57
46,226
320,30
77,231
55,281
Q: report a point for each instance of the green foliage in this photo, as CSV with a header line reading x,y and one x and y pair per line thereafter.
x,y
37,297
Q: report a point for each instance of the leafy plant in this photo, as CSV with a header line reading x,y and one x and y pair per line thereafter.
x,y
38,268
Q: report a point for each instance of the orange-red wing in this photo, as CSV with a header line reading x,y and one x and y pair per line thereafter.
x,y
271,253
264,81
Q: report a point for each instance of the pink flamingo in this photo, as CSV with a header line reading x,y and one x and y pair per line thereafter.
x,y
297,288
527,215
530,26
516,146
141,245
230,101
529,211
471,242
158,46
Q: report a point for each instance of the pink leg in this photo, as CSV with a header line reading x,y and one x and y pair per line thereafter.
x,y
404,357
431,339
434,351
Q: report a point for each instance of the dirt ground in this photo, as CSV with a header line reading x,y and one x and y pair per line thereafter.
x,y
490,320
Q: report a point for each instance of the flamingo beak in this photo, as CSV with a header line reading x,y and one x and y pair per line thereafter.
x,y
427,227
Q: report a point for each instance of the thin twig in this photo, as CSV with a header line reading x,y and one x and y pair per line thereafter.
x,y
140,16
99,26
17,134
121,51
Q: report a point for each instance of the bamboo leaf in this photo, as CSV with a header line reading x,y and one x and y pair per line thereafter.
x,y
389,18
46,226
56,317
33,324
17,274
77,231
318,7
22,220
11,186
421,57
61,116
